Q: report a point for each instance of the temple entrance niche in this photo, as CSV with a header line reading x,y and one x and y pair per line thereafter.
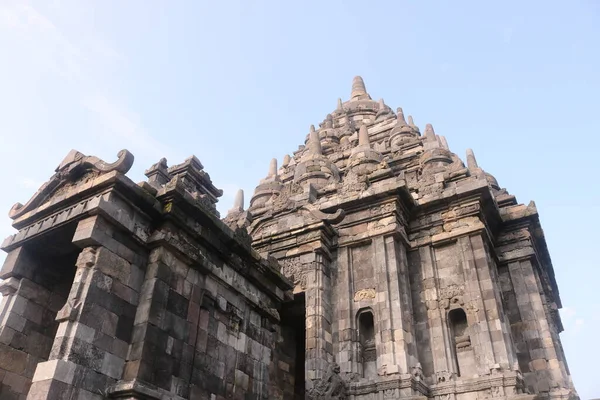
x,y
366,335
464,360
37,280
293,329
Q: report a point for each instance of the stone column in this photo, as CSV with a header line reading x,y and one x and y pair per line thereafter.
x,y
96,322
319,346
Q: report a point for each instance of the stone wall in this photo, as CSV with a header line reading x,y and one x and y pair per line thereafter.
x,y
139,292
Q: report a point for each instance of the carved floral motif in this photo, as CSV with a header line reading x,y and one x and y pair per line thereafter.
x,y
353,183
365,294
293,270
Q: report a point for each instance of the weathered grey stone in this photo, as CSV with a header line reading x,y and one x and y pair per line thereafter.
x,y
410,276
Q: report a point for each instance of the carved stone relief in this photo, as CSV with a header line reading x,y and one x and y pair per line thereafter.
x,y
330,387
293,270
364,294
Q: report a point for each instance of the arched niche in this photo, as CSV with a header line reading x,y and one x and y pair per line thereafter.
x,y
366,338
463,357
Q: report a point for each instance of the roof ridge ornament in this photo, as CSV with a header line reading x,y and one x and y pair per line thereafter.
x,y
73,166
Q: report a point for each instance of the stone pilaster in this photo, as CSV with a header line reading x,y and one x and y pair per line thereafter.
x,y
319,343
544,371
443,368
96,322
170,330
483,309
346,345
394,307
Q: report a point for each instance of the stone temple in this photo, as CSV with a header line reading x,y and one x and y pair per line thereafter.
x,y
372,264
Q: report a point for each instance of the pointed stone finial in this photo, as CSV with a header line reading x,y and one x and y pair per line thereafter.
x,y
312,128
410,121
471,160
272,168
400,117
328,122
444,142
238,202
339,105
363,136
358,88
429,133
286,160
381,104
314,144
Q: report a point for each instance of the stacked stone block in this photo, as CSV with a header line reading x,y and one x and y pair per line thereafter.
x,y
32,293
135,311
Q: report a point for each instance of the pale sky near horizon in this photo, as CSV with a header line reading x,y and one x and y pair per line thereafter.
x,y
239,82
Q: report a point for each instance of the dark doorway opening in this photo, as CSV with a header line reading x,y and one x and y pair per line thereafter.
x,y
45,271
366,330
54,257
294,324
457,320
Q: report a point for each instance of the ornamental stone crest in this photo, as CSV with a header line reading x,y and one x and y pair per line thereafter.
x,y
73,169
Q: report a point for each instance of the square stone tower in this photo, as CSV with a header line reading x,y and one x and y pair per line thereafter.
x,y
418,275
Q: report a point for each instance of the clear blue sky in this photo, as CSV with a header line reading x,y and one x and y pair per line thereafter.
x,y
237,83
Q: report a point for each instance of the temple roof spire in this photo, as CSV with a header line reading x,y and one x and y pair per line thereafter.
x,y
272,168
400,117
339,105
411,122
238,203
429,133
359,91
444,143
363,136
314,143
471,160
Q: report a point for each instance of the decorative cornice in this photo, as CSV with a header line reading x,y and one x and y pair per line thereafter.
x,y
70,171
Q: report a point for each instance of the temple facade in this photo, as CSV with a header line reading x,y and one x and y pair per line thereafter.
x,y
372,264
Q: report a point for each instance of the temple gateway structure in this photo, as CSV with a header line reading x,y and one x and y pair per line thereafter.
x,y
372,264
